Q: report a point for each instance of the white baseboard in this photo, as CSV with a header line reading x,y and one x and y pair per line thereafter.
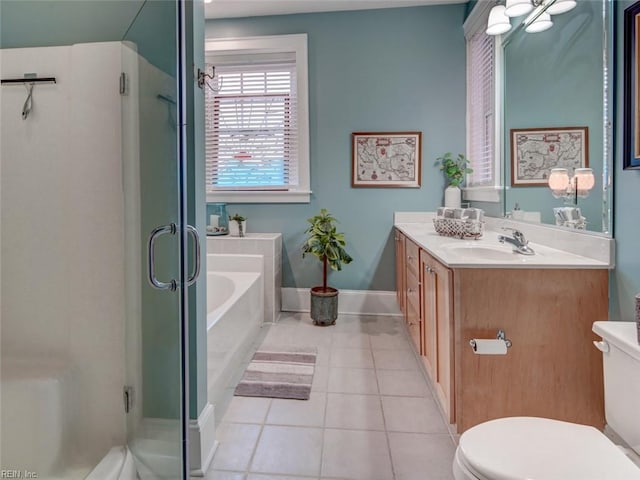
x,y
360,302
202,441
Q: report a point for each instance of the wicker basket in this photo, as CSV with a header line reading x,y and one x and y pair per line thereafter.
x,y
453,227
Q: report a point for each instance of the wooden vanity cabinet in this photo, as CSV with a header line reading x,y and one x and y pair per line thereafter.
x,y
552,369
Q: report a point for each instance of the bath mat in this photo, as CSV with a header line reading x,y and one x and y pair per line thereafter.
x,y
279,372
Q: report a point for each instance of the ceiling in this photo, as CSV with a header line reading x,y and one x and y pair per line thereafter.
x,y
253,8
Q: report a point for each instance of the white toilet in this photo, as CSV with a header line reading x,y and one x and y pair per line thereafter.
x,y
529,448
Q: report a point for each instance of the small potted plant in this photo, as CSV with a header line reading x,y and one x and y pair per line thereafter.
x,y
237,225
455,170
324,242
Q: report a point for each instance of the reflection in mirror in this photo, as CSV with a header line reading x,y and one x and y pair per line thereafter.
x,y
557,115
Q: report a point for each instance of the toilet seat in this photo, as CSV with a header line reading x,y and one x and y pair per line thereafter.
x,y
523,448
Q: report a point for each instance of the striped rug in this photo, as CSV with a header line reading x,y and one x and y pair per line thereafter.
x,y
279,372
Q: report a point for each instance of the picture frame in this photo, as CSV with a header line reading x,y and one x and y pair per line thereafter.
x,y
535,151
386,159
631,136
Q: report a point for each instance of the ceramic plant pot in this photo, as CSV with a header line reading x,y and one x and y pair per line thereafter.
x,y
452,197
324,305
237,229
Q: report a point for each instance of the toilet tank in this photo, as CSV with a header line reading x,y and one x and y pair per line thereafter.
x,y
621,363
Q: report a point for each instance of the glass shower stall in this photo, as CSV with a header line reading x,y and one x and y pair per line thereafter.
x,y
93,240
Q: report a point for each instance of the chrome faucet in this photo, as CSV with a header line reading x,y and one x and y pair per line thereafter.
x,y
519,243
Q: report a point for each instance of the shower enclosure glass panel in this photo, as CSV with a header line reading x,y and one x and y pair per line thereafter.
x,y
155,377
89,171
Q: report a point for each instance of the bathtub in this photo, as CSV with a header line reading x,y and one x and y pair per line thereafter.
x,y
235,296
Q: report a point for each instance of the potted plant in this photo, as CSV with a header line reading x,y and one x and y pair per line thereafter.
x,y
324,242
237,225
454,170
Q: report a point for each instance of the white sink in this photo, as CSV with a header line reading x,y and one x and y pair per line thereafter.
x,y
484,252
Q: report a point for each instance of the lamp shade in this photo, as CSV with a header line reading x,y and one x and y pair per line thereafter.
x,y
583,181
517,8
561,6
540,24
559,181
498,22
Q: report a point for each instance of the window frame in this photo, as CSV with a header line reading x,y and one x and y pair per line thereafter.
x,y
475,23
297,44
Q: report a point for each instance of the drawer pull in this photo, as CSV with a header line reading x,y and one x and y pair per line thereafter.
x,y
410,258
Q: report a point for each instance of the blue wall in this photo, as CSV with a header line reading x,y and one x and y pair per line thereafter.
x,y
376,70
626,277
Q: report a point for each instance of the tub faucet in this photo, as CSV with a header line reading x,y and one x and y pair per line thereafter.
x,y
519,243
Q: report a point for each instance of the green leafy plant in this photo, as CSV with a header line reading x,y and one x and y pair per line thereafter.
x,y
324,242
454,169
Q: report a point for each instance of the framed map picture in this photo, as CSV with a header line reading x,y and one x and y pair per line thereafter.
x,y
535,151
386,159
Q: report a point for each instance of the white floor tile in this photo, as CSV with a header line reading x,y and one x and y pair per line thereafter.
x,y
288,450
421,457
237,442
247,410
356,412
356,454
395,360
351,340
320,379
367,380
387,341
351,358
409,383
322,356
352,380
305,413
259,476
220,475
409,414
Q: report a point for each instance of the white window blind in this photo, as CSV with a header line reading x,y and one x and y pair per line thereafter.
x,y
481,119
252,128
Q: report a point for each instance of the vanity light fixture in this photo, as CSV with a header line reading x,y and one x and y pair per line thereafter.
x,y
570,189
538,20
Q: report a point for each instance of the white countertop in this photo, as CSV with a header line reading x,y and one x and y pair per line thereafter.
x,y
487,252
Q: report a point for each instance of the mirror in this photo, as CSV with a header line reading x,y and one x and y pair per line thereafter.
x,y
559,80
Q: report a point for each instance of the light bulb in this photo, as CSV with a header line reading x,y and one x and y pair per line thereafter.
x,y
540,24
517,8
559,181
561,6
498,21
584,181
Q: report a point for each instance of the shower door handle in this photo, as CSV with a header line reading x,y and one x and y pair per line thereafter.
x,y
197,257
151,261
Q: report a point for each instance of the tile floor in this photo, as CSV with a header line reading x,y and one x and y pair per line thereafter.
x,y
371,415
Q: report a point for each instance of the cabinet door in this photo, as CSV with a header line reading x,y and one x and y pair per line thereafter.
x,y
413,307
444,338
400,271
428,291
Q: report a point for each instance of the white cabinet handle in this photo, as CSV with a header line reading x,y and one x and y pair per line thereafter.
x,y
603,346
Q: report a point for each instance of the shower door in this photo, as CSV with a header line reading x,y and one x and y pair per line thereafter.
x,y
155,394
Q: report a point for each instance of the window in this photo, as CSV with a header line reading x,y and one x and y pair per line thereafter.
x,y
257,147
484,125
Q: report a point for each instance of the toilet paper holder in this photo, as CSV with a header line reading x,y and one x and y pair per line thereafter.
x,y
500,336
